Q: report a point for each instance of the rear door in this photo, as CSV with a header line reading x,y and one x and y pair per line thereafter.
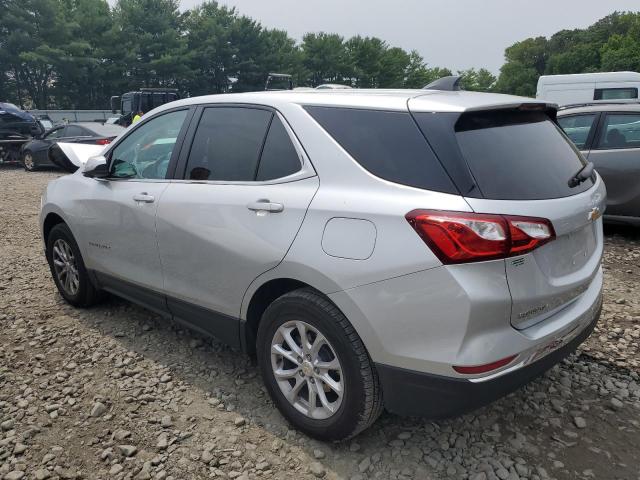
x,y
232,215
616,156
521,163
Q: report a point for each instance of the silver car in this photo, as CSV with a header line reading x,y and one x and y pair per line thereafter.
x,y
609,136
419,251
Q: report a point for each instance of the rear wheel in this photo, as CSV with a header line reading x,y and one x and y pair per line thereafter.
x,y
68,270
316,367
28,161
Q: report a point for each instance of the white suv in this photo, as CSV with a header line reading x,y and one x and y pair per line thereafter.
x,y
423,251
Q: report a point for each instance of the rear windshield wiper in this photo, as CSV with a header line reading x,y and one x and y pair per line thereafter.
x,y
582,175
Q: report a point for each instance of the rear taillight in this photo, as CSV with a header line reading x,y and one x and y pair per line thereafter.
x,y
103,141
460,237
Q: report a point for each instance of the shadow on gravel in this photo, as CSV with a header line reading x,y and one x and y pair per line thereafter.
x,y
560,426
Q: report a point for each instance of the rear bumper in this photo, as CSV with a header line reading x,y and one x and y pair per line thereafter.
x,y
412,393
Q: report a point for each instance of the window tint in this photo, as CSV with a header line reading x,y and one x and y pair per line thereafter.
x,y
387,144
615,93
146,152
279,156
227,144
75,131
620,131
577,128
518,155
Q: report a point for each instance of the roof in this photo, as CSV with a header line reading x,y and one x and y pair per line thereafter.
x,y
380,99
590,77
600,107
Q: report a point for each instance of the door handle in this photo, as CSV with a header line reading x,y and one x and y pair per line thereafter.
x,y
144,197
265,206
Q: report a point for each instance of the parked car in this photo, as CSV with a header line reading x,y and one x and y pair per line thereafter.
x,y
589,87
423,251
17,127
35,154
609,137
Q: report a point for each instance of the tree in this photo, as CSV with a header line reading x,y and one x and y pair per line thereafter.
x,y
477,80
324,55
418,74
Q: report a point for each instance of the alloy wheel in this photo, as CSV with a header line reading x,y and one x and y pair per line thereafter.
x,y
65,266
28,161
307,370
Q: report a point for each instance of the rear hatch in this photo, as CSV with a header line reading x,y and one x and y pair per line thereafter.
x,y
517,162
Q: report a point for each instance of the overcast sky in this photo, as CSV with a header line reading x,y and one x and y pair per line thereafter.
x,y
453,33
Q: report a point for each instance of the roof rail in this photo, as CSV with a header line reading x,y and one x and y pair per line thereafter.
x,y
448,84
592,104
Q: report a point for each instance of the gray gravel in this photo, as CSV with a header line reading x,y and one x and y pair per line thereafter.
x,y
114,392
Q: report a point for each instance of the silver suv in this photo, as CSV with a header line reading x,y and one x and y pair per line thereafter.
x,y
422,251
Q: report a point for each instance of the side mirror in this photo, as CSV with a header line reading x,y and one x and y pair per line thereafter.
x,y
96,167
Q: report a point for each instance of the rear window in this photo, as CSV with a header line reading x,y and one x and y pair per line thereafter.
x,y
615,93
513,155
387,144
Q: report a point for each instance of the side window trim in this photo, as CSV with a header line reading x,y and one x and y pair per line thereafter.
x,y
306,171
602,125
174,155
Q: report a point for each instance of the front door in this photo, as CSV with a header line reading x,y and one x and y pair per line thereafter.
x,y
233,215
121,225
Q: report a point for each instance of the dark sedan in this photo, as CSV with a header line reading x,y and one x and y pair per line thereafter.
x,y
35,152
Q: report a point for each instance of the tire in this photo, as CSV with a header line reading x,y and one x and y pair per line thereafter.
x,y
361,400
61,244
29,162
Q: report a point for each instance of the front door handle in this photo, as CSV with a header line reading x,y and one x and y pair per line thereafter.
x,y
144,197
265,206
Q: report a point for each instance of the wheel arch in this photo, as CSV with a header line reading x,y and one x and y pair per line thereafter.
x,y
263,296
50,220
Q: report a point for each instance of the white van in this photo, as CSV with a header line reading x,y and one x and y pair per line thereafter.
x,y
589,88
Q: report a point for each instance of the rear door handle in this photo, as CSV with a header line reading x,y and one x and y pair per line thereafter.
x,y
265,206
144,198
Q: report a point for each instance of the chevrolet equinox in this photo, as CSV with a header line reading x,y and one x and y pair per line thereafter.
x,y
421,251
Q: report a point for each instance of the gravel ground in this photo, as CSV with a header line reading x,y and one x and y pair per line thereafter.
x,y
114,392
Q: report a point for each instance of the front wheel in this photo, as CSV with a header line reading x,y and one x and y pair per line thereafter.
x,y
316,367
68,270
28,161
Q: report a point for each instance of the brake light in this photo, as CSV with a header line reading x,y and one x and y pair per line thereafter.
x,y
103,141
460,237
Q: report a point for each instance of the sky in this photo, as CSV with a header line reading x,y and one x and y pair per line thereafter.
x,y
457,34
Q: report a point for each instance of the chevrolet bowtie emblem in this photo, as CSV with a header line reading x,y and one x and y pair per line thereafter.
x,y
595,214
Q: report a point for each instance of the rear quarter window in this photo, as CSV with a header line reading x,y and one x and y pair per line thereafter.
x,y
387,144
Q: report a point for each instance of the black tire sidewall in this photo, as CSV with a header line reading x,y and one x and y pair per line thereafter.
x,y
61,231
342,424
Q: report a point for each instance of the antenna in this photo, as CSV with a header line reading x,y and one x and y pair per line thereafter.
x,y
448,84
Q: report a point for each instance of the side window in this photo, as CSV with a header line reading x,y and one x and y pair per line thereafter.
x,y
227,144
75,131
146,152
57,133
615,93
620,131
279,157
387,144
577,128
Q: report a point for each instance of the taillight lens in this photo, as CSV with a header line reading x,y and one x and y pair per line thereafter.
x,y
103,141
460,237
